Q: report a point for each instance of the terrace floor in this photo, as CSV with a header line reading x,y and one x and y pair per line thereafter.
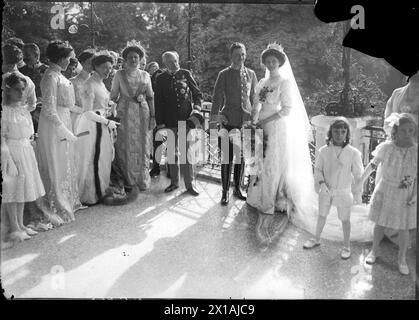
x,y
177,246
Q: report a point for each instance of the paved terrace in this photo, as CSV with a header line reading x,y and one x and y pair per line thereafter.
x,y
177,246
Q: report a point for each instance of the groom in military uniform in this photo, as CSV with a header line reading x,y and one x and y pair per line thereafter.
x,y
232,101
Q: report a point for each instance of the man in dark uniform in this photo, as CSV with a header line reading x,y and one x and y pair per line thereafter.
x,y
34,69
233,98
177,96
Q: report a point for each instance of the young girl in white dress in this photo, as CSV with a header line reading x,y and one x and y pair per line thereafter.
x,y
338,167
21,180
393,203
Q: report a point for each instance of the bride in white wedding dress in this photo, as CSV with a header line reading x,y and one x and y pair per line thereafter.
x,y
284,180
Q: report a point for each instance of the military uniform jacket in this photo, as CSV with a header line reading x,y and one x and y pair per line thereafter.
x,y
175,94
230,97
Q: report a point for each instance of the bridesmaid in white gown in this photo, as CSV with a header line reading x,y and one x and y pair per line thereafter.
x,y
55,146
95,151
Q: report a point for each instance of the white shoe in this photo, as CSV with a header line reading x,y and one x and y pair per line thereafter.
x,y
30,231
370,259
310,244
403,269
346,253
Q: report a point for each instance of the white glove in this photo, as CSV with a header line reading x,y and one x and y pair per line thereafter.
x,y
112,124
64,133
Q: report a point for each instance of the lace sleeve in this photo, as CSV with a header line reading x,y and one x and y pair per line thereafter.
x,y
357,166
49,86
116,86
31,95
148,87
390,105
87,97
380,152
285,98
150,95
256,103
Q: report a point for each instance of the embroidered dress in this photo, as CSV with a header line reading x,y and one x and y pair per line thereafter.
x,y
17,128
95,151
267,188
79,86
133,144
398,174
56,158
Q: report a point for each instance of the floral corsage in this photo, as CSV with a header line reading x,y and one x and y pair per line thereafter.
x,y
263,93
140,98
406,182
182,89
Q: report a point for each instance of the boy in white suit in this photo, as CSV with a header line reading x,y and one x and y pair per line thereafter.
x,y
338,167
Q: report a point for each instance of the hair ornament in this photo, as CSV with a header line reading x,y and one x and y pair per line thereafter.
x,y
102,53
392,120
134,43
275,46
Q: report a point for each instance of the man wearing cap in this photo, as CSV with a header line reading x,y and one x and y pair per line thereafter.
x,y
177,96
233,98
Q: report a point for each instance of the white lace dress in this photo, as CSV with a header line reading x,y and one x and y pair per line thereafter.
x,y
16,129
267,190
56,158
389,201
95,151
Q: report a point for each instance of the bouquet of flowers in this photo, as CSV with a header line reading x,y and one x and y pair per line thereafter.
x,y
406,182
253,158
263,93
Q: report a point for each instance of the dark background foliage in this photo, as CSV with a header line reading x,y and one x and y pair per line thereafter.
x,y
313,47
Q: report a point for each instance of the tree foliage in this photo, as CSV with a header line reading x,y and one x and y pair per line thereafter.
x,y
314,48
